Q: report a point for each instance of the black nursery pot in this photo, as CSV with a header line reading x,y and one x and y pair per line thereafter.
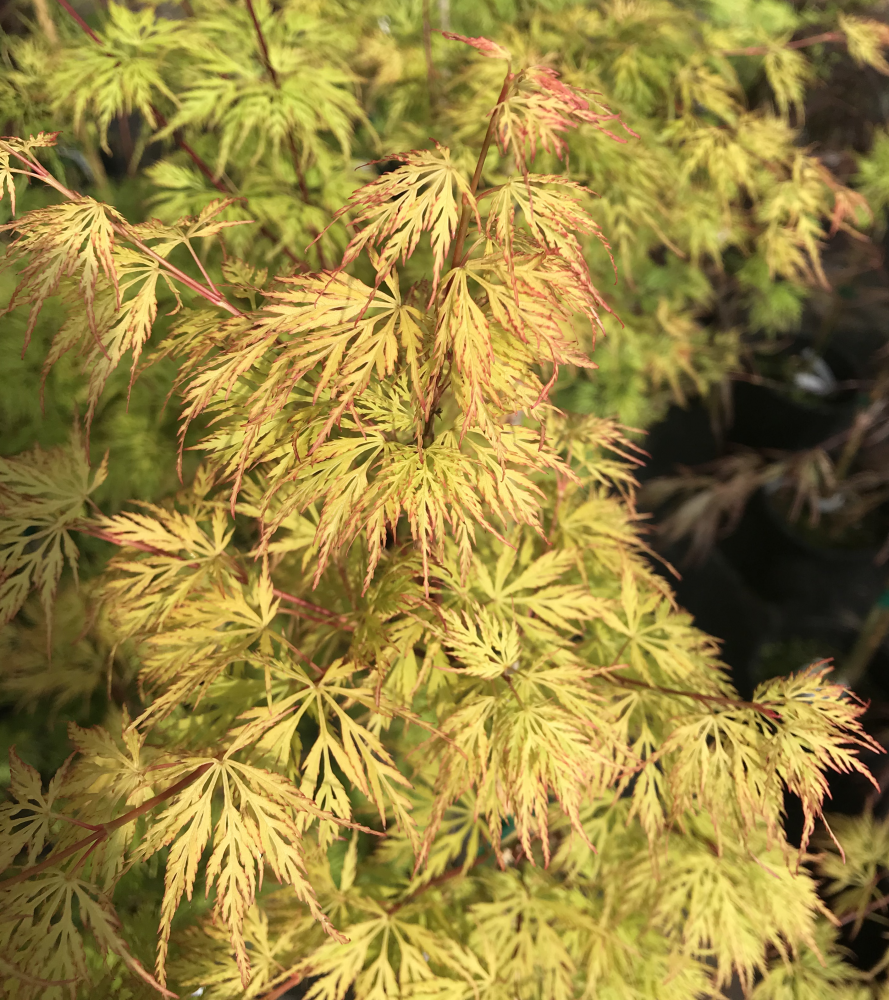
x,y
767,416
801,578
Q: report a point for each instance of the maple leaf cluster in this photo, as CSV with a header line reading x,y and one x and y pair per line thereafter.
x,y
397,645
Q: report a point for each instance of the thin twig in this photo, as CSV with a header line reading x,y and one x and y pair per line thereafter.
x,y
463,228
197,261
803,43
288,984
877,904
39,172
263,47
456,260
438,880
213,295
223,184
102,832
81,22
294,153
697,696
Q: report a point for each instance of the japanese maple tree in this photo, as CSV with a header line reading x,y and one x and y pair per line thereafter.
x,y
412,707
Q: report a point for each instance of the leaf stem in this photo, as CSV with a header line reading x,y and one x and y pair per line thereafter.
x,y
294,153
211,295
197,261
460,240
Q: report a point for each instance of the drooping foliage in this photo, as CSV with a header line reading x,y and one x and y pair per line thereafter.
x,y
394,684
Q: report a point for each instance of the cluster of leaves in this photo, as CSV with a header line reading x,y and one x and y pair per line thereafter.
x,y
396,644
275,105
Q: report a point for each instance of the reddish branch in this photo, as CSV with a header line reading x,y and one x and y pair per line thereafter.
x,y
877,904
102,831
803,43
462,229
288,984
707,699
37,171
445,876
223,184
81,22
457,259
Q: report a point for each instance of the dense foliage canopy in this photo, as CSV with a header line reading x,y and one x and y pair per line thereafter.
x,y
387,673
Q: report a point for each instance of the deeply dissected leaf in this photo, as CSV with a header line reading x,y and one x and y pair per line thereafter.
x,y
39,921
405,596
423,195
58,242
42,497
258,825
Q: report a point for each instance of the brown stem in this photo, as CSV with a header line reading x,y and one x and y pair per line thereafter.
x,y
223,184
462,229
102,832
515,693
201,268
877,904
428,435
438,880
214,296
81,22
803,43
314,609
263,48
705,698
288,984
